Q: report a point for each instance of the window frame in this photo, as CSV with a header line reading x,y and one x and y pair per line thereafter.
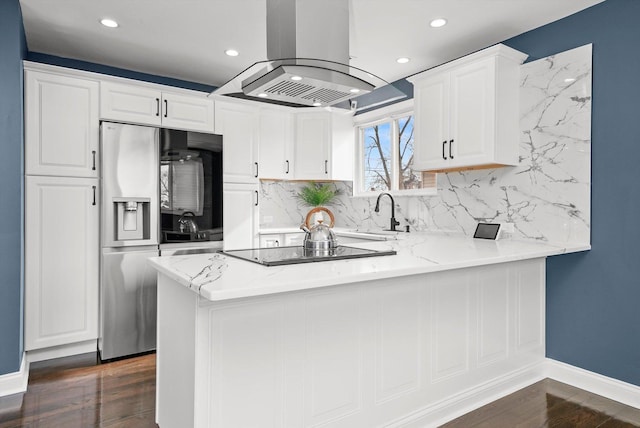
x,y
386,114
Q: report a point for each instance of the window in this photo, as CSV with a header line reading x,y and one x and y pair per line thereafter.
x,y
386,156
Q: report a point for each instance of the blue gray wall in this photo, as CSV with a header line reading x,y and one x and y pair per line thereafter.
x,y
114,71
593,298
12,51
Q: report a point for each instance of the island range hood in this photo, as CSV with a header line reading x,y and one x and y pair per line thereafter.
x,y
308,58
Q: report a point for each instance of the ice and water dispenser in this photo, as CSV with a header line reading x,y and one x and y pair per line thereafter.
x,y
131,218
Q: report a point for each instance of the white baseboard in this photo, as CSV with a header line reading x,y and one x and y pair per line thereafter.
x,y
474,398
466,401
16,382
595,383
62,351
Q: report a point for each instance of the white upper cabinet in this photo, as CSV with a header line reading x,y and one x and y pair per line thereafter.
x,y
280,143
61,125
147,106
467,112
312,148
324,146
186,112
276,138
239,126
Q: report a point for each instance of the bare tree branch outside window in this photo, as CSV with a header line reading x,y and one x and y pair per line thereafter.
x,y
377,156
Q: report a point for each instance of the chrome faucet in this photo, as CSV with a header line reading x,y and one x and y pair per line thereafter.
x,y
394,223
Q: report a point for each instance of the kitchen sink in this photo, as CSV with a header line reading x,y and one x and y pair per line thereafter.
x,y
373,235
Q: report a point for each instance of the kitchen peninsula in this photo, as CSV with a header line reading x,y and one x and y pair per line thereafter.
x,y
416,337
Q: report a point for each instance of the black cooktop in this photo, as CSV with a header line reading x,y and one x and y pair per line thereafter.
x,y
277,256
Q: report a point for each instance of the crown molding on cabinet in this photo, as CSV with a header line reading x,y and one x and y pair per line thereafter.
x,y
99,77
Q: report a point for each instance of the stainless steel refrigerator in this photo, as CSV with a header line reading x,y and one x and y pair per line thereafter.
x,y
129,235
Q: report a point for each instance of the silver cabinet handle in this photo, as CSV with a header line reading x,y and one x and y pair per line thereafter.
x,y
157,106
166,108
287,171
326,167
256,164
94,195
256,204
444,143
450,146
93,154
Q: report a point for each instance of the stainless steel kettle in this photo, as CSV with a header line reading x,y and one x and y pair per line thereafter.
x,y
186,224
320,236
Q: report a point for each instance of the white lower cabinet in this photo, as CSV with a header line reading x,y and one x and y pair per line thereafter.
x,y
240,215
61,261
292,239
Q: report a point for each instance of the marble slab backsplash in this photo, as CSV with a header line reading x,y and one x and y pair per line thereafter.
x,y
547,197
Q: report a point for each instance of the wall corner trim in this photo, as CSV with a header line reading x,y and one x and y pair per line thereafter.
x,y
16,382
595,383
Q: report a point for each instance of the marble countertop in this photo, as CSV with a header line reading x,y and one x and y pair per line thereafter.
x,y
217,277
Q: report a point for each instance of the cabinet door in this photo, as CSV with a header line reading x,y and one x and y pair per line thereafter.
x,y
276,131
271,240
61,261
238,125
187,112
431,112
472,123
293,239
313,146
61,125
131,104
240,215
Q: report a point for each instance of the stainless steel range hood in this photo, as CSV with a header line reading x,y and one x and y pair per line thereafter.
x,y
308,58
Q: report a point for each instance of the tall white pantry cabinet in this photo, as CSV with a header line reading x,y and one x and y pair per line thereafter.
x,y
61,210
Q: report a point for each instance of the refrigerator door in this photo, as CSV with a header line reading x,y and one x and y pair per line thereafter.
x,y
127,302
130,184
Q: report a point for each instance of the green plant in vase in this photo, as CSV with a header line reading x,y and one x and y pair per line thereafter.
x,y
318,195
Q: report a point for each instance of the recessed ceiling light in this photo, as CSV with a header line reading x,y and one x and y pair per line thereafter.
x,y
439,22
354,90
109,23
231,52
263,95
296,78
403,60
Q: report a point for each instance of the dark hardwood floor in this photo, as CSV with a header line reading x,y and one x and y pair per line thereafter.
x,y
550,404
80,392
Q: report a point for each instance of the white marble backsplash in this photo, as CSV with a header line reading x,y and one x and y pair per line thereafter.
x,y
546,197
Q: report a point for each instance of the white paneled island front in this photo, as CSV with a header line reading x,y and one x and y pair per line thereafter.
x,y
412,339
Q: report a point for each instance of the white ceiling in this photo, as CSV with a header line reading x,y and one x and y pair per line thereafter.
x,y
186,39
